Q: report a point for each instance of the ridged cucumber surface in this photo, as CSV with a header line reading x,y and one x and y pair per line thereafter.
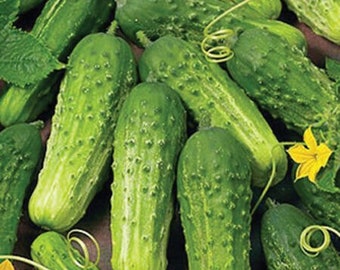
x,y
150,133
213,99
101,72
186,19
20,156
214,194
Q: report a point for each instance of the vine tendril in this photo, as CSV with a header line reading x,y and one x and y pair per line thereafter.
x,y
223,52
306,235
271,177
83,248
24,260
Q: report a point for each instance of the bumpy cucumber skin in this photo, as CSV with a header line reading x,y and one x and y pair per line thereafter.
x,y
321,16
51,250
60,26
213,189
185,19
150,133
20,155
281,226
101,72
322,205
282,80
213,99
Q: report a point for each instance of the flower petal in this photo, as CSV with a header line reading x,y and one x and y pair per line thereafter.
x,y
323,154
309,139
6,265
304,169
300,154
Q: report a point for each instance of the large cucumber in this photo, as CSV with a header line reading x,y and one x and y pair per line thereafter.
x,y
101,71
284,82
61,24
150,132
213,185
20,156
186,19
213,99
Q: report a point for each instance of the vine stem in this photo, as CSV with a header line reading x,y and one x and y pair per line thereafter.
x,y
271,177
24,260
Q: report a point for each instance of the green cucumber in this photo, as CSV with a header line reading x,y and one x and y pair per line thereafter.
x,y
27,5
20,155
54,251
285,83
189,19
281,227
150,132
185,19
321,16
322,205
213,99
214,194
60,26
101,71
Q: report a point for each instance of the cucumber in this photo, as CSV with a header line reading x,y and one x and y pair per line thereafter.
x,y
285,83
27,5
101,71
281,227
190,19
213,99
185,19
52,250
20,155
214,194
322,205
320,16
281,79
150,132
82,17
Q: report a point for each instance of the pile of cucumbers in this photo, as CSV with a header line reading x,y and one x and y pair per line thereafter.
x,y
187,148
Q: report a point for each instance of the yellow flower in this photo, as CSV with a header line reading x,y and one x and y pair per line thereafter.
x,y
311,158
6,265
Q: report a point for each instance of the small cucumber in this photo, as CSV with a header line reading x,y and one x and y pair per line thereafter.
x,y
101,71
281,227
213,99
214,194
20,155
150,132
322,205
52,250
60,26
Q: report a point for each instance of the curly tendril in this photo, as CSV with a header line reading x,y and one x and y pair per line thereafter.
x,y
83,248
306,235
219,53
24,260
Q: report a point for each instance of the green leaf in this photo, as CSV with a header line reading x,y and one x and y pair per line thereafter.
x,y
23,59
9,10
